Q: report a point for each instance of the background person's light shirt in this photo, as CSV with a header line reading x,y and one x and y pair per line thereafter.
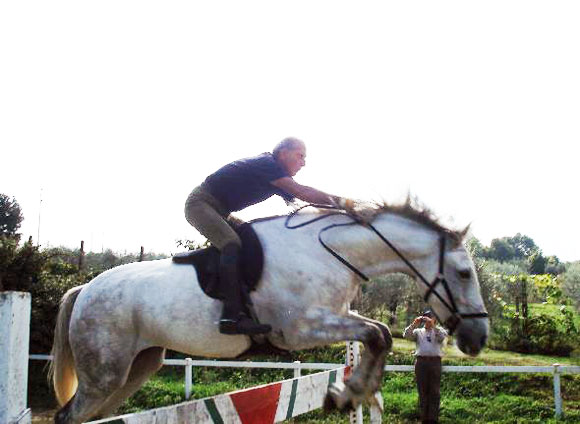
x,y
429,342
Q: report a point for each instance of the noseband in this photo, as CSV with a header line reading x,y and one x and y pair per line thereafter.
x,y
455,315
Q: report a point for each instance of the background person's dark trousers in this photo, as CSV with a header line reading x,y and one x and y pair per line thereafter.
x,y
428,375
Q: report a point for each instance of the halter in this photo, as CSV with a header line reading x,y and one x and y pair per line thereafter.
x,y
453,321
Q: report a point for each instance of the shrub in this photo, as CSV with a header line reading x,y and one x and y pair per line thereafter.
x,y
571,283
46,295
541,333
19,265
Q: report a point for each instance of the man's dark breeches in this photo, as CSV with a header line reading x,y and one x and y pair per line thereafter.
x,y
428,375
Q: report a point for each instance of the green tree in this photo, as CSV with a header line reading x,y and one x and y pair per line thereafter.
x,y
10,215
506,268
477,249
20,266
490,287
383,296
523,246
571,283
554,266
519,248
501,250
537,263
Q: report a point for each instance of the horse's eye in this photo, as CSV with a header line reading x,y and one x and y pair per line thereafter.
x,y
464,274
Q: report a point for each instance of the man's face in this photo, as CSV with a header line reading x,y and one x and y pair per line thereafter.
x,y
429,322
293,159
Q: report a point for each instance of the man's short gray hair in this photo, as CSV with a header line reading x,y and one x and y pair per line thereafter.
x,y
289,143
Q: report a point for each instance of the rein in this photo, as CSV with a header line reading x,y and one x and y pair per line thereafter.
x,y
452,322
329,249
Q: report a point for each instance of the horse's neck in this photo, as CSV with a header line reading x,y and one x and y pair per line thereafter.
x,y
413,240
358,244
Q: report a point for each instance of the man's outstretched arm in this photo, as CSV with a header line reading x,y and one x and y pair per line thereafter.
x,y
309,194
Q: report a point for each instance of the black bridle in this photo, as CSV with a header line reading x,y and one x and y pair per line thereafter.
x,y
456,316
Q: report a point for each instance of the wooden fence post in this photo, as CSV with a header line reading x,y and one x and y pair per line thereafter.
x,y
14,335
82,256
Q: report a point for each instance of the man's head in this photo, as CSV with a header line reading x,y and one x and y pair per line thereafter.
x,y
429,319
290,153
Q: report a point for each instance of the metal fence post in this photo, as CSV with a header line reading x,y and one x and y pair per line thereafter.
x,y
557,393
188,377
297,370
376,410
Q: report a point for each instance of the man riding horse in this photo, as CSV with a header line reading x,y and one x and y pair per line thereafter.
x,y
112,333
234,187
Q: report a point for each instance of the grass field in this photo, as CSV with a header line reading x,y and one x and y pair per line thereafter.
x,y
466,398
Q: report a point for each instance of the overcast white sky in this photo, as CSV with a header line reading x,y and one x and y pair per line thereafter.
x,y
117,109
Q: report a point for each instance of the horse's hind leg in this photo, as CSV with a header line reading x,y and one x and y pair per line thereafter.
x,y
84,405
147,363
97,380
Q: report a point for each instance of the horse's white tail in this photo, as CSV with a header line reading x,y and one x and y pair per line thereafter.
x,y
62,369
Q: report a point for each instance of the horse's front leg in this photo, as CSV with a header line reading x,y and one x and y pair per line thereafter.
x,y
382,326
326,328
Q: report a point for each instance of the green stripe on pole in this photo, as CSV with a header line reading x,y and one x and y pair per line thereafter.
x,y
292,398
213,411
332,378
117,421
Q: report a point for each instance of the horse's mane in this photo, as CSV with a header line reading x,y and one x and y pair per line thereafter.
x,y
411,209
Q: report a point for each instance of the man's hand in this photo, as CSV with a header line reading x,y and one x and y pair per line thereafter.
x,y
344,203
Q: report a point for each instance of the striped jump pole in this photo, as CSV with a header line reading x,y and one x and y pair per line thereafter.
x,y
266,404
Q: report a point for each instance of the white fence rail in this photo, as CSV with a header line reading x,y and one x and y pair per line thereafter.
x,y
556,370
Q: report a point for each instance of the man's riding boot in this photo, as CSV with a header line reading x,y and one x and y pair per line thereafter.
x,y
234,320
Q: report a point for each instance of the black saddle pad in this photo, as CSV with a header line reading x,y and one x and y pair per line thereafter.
x,y
206,262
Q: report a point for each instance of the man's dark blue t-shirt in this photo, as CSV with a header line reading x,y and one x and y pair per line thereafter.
x,y
246,182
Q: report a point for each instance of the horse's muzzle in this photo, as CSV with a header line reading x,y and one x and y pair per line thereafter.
x,y
471,335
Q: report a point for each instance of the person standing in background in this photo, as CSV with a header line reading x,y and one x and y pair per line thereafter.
x,y
429,340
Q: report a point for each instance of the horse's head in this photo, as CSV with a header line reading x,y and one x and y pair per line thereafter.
x,y
436,257
455,296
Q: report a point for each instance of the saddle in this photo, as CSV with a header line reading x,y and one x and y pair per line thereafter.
x,y
206,262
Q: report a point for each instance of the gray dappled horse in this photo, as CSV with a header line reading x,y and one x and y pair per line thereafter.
x,y
111,333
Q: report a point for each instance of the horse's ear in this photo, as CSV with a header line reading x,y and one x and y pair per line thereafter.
x,y
463,234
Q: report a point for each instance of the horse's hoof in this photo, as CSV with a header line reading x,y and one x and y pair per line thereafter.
x,y
338,398
328,404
